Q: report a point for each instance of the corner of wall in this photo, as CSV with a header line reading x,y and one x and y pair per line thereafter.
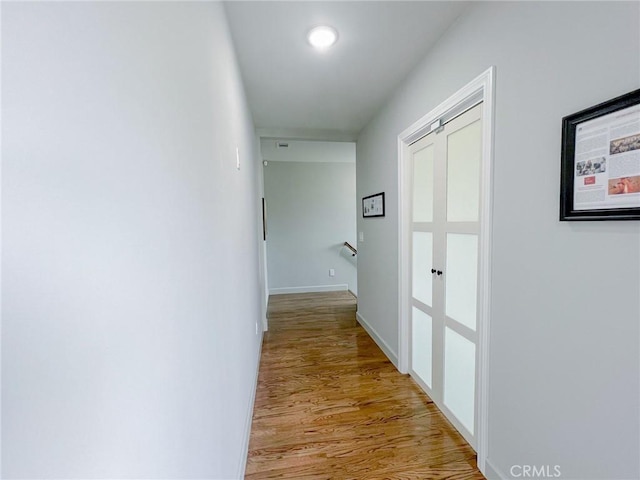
x,y
384,346
493,473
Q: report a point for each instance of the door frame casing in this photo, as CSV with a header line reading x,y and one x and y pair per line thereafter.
x,y
481,89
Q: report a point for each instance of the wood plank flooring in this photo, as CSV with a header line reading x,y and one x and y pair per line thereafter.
x,y
330,405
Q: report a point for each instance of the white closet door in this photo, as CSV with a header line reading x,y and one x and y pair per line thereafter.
x,y
422,285
444,250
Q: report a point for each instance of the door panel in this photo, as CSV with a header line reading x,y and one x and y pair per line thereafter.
x,y
461,281
422,345
460,377
446,167
423,184
463,173
421,269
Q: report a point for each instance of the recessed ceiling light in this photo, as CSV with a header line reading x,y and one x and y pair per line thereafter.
x,y
322,37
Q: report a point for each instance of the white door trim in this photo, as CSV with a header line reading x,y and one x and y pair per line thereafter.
x,y
481,89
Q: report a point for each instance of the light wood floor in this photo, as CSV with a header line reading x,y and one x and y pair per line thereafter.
x,y
330,405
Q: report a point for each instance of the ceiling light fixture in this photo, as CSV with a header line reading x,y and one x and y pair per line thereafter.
x,y
322,37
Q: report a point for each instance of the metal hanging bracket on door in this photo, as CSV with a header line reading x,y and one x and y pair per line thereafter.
x,y
437,126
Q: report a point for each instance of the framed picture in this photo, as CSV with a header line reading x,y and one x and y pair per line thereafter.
x,y
373,205
264,219
600,177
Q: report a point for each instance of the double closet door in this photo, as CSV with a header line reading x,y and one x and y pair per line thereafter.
x,y
444,267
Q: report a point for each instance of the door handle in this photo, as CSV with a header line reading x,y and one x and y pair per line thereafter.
x,y
433,270
439,272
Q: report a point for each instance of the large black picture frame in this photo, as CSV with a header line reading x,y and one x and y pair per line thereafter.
x,y
616,205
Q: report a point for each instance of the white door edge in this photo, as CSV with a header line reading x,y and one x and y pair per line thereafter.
x,y
481,89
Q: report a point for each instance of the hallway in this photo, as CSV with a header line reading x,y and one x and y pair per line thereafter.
x,y
330,405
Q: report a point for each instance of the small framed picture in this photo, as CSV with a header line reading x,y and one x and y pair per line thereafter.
x,y
600,177
373,205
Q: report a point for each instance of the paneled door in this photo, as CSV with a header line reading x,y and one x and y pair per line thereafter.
x,y
445,229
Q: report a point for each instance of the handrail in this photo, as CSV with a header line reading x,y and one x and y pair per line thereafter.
x,y
350,247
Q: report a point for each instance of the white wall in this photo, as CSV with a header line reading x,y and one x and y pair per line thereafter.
x,y
307,151
564,358
311,212
130,243
262,250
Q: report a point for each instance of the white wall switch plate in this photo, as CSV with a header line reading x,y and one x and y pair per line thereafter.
x,y
332,272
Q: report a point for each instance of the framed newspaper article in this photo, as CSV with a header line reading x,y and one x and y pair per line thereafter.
x,y
600,177
373,205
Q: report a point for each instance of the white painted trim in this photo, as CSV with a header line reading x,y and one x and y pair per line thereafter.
x,y
262,250
486,242
481,89
326,135
353,293
249,419
465,99
493,473
384,346
309,289
1,250
404,234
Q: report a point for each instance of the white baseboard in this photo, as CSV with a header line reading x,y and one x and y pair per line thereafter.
x,y
309,289
353,293
393,357
249,419
493,473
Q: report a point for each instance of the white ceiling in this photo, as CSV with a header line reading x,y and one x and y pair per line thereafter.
x,y
297,92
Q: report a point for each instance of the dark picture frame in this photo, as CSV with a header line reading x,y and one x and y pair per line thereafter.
x,y
264,219
597,180
373,205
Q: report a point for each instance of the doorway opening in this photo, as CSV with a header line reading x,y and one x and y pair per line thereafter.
x,y
310,213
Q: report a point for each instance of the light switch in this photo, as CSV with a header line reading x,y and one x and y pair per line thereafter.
x,y
361,236
332,272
